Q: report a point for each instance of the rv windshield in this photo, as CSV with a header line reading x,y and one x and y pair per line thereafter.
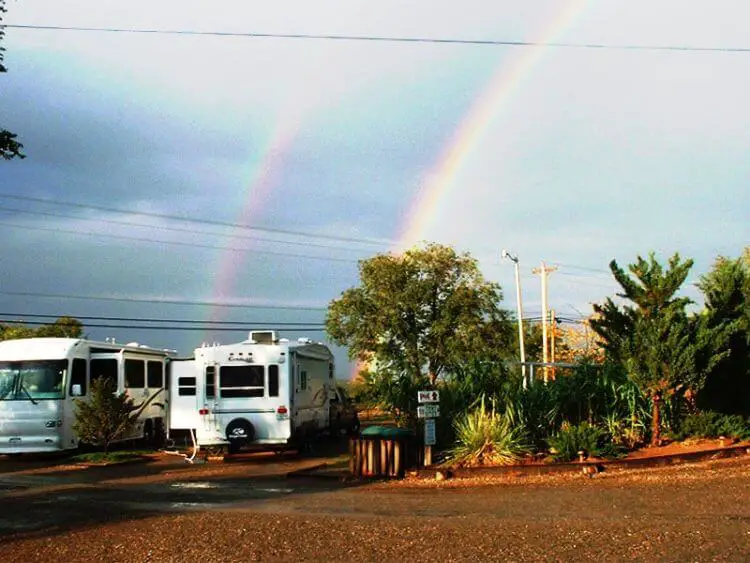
x,y
32,380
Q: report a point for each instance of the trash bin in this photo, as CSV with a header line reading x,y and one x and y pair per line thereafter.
x,y
382,451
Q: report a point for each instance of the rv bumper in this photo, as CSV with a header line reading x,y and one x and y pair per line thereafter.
x,y
29,444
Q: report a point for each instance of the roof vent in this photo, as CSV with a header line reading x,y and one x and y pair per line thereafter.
x,y
263,337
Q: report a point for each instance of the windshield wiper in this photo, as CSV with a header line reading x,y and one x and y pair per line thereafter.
x,y
33,402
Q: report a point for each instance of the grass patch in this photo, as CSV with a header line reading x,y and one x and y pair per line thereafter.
x,y
109,457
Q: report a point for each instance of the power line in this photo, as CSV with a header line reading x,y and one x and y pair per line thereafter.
x,y
389,39
147,320
163,301
174,229
201,221
181,243
585,268
312,328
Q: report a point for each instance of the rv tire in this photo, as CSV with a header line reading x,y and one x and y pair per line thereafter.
x,y
240,432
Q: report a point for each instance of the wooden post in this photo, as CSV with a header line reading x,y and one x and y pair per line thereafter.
x,y
427,456
397,458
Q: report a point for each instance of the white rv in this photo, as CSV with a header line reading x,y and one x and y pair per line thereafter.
x,y
42,378
263,391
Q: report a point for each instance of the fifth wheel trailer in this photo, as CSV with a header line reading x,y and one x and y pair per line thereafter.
x,y
262,391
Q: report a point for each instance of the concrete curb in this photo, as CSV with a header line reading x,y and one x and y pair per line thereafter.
x,y
589,466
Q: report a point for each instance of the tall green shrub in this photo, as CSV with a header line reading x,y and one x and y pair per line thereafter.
x,y
106,416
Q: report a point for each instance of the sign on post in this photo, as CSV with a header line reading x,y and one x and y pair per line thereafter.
x,y
429,432
429,396
429,410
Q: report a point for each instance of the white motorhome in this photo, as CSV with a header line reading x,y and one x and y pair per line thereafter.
x,y
42,378
263,391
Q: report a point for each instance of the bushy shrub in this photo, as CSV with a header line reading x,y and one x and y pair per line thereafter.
x,y
624,433
106,417
485,436
733,426
709,424
565,444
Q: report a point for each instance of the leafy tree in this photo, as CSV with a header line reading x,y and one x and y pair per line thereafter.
x,y
424,313
63,327
660,358
726,290
106,416
9,147
652,336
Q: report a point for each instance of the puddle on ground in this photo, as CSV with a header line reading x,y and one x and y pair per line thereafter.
x,y
193,505
196,485
213,485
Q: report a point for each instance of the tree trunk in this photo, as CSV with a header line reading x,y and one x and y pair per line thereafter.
x,y
655,420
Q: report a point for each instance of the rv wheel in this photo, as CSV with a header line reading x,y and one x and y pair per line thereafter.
x,y
239,433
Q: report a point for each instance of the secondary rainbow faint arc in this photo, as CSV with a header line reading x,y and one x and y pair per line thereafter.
x,y
505,82
260,186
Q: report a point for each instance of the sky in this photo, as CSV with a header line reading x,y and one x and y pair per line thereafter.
x,y
221,177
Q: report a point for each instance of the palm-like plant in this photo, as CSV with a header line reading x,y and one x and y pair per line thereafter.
x,y
486,437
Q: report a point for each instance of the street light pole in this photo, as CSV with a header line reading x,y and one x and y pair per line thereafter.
x,y
514,259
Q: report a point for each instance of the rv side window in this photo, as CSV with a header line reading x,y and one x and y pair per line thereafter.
x,y
104,369
155,375
135,374
78,376
186,386
273,381
242,381
210,382
302,380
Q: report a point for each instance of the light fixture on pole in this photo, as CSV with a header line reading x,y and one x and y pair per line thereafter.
x,y
514,259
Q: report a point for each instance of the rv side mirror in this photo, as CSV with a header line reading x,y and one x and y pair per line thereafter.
x,y
76,390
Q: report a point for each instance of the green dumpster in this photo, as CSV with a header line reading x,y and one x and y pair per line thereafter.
x,y
382,451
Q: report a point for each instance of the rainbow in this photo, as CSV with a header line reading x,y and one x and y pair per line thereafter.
x,y
495,97
263,178
498,94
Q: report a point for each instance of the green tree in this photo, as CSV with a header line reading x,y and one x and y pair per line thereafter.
x,y
63,327
726,291
106,416
9,147
423,313
652,336
425,316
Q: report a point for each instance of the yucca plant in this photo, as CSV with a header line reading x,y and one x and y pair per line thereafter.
x,y
486,437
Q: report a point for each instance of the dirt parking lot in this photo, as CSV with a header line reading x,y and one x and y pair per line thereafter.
x,y
249,511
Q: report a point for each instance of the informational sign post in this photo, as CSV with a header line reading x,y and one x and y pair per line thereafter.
x,y
429,396
429,432
429,410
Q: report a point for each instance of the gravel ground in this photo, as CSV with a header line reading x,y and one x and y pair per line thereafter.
x,y
697,512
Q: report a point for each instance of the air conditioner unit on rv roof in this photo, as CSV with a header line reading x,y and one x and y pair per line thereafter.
x,y
263,336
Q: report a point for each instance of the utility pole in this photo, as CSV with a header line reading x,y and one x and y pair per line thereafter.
x,y
544,271
514,259
553,325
